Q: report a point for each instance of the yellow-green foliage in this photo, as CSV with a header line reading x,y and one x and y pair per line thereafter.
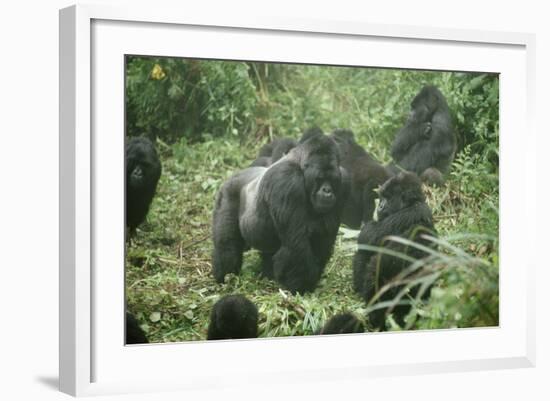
x,y
168,271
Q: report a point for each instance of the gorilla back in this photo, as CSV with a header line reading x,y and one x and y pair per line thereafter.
x,y
366,175
290,212
273,151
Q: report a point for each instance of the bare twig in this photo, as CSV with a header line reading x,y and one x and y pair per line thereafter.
x,y
193,243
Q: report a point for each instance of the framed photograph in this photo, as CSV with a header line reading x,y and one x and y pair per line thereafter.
x,y
287,200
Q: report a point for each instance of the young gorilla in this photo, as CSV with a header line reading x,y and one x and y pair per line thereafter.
x,y
432,176
232,317
343,323
273,151
366,175
427,140
402,212
289,211
143,171
134,333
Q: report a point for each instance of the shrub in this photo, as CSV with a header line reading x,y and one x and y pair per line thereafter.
x,y
173,98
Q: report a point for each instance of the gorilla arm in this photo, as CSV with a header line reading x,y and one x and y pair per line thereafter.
x,y
294,264
435,152
413,133
403,141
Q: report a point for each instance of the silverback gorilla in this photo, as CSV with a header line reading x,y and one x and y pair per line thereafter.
x,y
143,171
290,212
427,141
365,175
402,212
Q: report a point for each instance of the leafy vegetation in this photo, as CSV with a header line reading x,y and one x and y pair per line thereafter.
x,y
209,119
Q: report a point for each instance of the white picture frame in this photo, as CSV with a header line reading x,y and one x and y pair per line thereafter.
x,y
93,359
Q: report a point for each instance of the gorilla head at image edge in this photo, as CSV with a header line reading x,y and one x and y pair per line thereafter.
x,y
233,317
289,211
143,170
343,323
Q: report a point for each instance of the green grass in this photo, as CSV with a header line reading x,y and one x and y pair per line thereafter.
x,y
213,116
171,290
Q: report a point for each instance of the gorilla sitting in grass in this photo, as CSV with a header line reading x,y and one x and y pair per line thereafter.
x,y
426,144
134,333
402,212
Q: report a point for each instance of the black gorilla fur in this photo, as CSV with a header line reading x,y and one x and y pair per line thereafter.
x,y
366,175
289,211
343,323
402,212
232,317
432,176
273,151
309,133
427,140
143,171
134,333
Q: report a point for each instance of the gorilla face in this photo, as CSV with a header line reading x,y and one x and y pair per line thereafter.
x,y
142,164
323,179
136,175
418,114
143,170
399,192
424,105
